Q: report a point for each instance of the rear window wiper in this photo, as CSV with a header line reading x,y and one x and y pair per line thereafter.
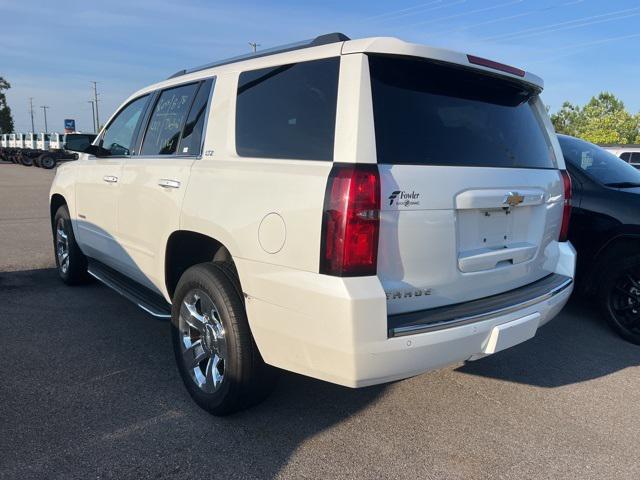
x,y
622,184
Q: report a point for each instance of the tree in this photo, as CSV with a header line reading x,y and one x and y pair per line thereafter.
x,y
567,119
603,120
6,120
606,121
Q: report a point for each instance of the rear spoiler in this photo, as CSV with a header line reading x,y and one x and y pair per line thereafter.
x,y
394,46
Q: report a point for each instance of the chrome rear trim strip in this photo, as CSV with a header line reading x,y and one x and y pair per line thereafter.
x,y
456,322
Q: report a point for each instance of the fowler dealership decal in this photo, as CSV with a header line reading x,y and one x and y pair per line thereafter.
x,y
404,199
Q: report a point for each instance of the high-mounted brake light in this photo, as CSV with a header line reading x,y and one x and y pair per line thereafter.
x,y
351,221
484,62
566,211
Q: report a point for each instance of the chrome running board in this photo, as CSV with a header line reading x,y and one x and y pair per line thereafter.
x,y
149,301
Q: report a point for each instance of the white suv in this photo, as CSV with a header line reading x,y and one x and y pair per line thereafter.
x,y
358,211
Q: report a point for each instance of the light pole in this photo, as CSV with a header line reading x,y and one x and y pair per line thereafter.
x,y
93,115
255,46
95,99
44,109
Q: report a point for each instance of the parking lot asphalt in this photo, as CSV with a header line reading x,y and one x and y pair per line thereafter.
x,y
89,389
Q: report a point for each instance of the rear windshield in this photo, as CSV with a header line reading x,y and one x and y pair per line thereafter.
x,y
598,164
427,113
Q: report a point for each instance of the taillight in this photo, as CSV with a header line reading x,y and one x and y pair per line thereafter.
x,y
566,212
351,221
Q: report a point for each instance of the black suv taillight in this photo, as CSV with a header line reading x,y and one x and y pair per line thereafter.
x,y
351,221
566,211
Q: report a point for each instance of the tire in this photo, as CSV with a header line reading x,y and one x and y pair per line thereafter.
x,y
26,161
619,297
46,161
72,268
216,355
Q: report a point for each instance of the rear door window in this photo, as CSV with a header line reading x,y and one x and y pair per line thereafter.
x,y
635,158
191,142
626,156
288,111
429,113
167,120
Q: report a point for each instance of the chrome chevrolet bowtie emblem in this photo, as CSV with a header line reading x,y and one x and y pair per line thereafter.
x,y
513,199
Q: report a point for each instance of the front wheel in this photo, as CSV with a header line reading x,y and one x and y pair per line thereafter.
x,y
70,261
217,357
620,298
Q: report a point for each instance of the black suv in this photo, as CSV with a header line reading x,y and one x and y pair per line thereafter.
x,y
605,230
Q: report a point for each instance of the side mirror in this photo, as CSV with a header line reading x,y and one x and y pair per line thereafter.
x,y
85,147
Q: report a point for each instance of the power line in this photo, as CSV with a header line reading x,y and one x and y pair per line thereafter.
x,y
508,17
470,12
395,12
564,25
580,46
44,109
395,15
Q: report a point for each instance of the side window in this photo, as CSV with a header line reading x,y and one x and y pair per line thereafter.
x,y
626,156
167,119
118,136
635,158
192,135
288,111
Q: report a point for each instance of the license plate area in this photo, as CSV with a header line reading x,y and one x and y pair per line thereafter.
x,y
485,228
491,238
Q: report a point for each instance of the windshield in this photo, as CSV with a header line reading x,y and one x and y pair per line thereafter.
x,y
598,164
428,113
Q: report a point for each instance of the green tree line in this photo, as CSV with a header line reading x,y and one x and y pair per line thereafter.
x,y
604,119
6,120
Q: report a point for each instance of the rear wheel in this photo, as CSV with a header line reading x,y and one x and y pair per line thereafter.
x,y
620,298
26,160
46,161
216,355
70,261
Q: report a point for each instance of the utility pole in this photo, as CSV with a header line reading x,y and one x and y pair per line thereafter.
x,y
93,115
44,109
95,100
33,128
255,46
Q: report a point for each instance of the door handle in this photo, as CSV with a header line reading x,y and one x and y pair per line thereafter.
x,y
110,179
167,183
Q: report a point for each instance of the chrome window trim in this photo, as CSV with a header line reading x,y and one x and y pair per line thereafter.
x,y
204,126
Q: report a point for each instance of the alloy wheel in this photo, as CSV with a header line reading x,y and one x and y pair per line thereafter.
x,y
62,246
203,340
625,301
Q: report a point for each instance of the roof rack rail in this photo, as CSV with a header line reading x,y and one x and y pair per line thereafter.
x,y
319,40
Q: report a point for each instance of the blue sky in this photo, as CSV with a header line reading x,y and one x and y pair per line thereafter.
x,y
51,50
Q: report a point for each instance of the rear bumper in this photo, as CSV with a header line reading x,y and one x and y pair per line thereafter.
x,y
337,329
476,311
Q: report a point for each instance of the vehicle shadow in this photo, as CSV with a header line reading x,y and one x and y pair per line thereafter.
x,y
101,394
576,346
